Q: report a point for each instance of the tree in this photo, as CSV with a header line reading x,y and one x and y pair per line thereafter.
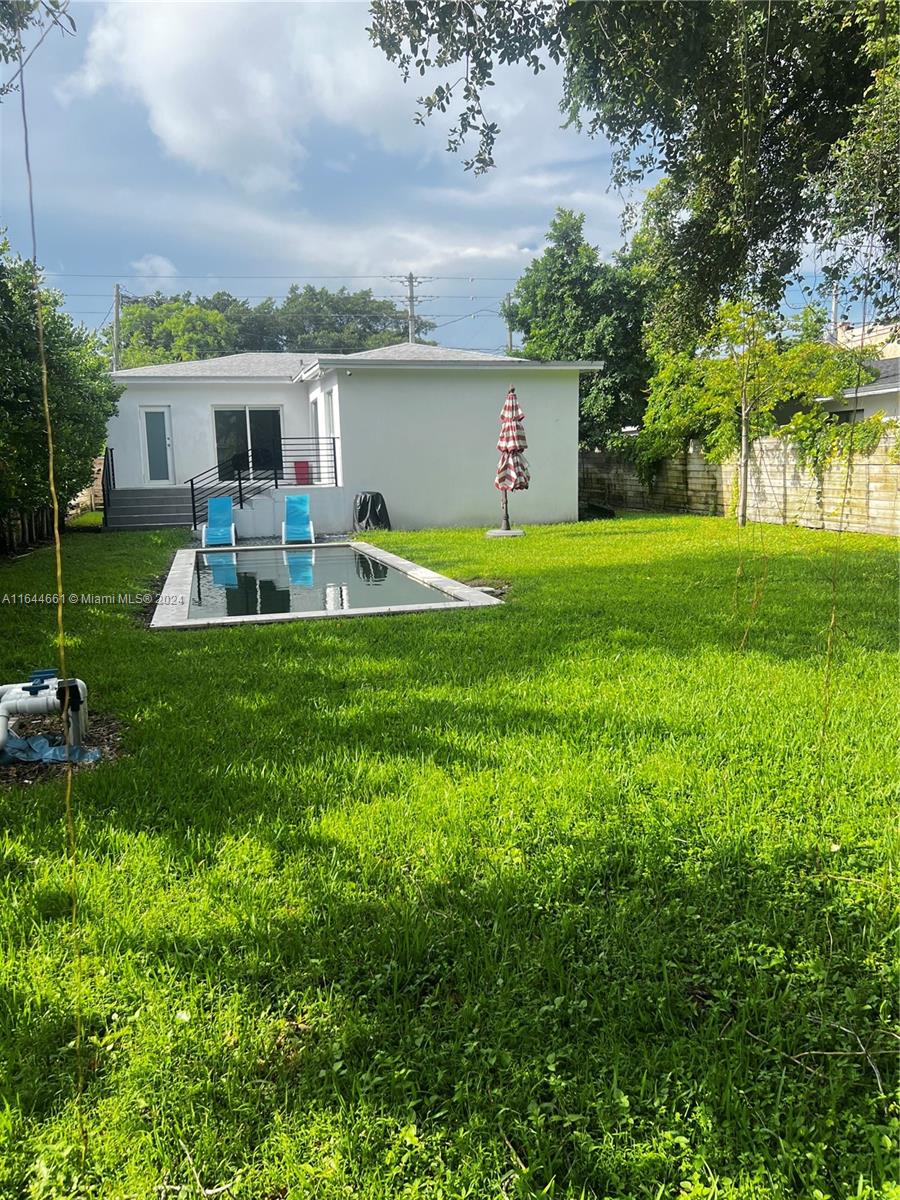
x,y
160,328
858,220
169,329
81,394
252,327
18,18
342,321
570,305
743,104
680,286
753,370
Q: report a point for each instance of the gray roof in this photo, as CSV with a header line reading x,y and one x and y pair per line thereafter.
x,y
278,365
286,366
415,354
419,353
888,377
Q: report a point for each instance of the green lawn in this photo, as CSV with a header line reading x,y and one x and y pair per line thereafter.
x,y
86,520
576,897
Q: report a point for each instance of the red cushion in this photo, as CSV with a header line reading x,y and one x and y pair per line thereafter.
x,y
301,473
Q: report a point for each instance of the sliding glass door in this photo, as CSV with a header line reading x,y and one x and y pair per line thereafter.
x,y
265,442
231,442
248,440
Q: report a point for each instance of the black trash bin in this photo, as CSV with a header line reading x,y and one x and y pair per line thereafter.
x,y
370,511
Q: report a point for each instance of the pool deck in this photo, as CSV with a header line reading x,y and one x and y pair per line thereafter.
x,y
174,600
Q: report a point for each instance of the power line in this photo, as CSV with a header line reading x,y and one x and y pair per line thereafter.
x,y
100,324
218,275
464,316
284,296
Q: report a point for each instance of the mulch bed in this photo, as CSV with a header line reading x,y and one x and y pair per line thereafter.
x,y
104,733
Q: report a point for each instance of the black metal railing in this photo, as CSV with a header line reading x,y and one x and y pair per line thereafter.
x,y
289,462
108,480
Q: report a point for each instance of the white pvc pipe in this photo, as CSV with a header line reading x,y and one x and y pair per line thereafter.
x,y
17,701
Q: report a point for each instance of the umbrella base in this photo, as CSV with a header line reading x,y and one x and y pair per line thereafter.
x,y
505,533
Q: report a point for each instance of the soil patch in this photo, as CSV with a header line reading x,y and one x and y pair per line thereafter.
x,y
104,733
493,587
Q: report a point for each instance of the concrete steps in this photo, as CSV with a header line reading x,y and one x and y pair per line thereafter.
x,y
149,508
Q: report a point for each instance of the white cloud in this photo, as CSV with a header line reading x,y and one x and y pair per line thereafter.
x,y
155,266
300,240
214,80
238,89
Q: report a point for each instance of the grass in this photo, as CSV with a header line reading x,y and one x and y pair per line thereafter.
x,y
576,897
86,520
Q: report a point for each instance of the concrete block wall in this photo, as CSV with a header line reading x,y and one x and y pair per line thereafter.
x,y
862,496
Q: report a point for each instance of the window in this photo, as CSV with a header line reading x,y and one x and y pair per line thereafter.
x,y
846,415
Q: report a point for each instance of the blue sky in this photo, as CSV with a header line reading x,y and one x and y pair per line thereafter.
x,y
184,145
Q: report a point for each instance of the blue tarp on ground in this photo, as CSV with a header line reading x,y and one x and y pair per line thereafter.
x,y
40,749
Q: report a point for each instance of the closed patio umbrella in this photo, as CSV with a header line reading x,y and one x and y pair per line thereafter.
x,y
512,469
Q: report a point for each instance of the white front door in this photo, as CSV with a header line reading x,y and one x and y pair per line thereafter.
x,y
156,436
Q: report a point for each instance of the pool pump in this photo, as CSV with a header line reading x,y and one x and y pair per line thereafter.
x,y
46,693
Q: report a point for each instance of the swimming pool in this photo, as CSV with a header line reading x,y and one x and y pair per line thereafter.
x,y
278,583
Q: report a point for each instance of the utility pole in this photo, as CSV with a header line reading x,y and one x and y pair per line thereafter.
x,y
509,328
411,305
117,304
412,281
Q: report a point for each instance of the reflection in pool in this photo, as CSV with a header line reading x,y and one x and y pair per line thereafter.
x,y
297,579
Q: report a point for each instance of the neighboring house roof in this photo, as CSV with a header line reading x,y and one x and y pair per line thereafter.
x,y
887,383
277,365
288,367
854,336
888,378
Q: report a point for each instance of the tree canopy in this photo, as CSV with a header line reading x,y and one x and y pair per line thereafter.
x,y
81,394
161,328
571,305
751,362
744,105
20,17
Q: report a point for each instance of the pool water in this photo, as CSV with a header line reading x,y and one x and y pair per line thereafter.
x,y
298,579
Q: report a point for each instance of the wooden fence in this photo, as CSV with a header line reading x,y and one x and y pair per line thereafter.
x,y
862,496
19,528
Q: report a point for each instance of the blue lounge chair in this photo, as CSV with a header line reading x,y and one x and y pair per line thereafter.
x,y
297,525
219,527
300,565
224,569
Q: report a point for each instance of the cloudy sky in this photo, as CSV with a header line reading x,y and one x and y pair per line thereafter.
x,y
244,145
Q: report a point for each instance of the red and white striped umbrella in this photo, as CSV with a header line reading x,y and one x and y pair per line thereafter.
x,y
512,469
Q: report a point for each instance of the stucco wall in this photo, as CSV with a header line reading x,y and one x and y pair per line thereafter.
x,y
866,405
426,440
190,404
330,508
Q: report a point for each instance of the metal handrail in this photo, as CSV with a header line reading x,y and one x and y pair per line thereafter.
x,y
319,455
108,481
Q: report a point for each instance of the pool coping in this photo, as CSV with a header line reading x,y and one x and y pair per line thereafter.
x,y
175,597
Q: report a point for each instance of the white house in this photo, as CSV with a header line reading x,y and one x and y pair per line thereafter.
x,y
881,395
417,423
